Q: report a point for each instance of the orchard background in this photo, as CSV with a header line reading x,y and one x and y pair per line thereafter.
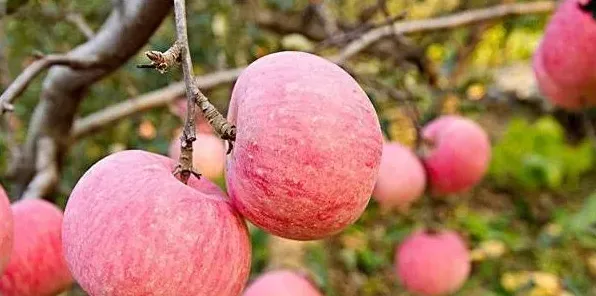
x,y
530,224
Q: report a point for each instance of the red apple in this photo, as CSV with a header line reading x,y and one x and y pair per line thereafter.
x,y
564,61
401,179
433,263
36,266
307,149
281,282
459,154
6,230
132,228
208,156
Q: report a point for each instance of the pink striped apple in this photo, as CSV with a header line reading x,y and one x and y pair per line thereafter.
x,y
132,228
6,230
564,61
281,282
459,154
37,266
433,264
307,149
401,180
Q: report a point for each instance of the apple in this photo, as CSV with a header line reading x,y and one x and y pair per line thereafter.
x,y
132,228
37,266
281,282
401,180
208,156
458,154
308,146
433,264
563,63
6,230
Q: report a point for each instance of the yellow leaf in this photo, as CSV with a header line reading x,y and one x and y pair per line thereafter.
x,y
493,248
476,91
297,42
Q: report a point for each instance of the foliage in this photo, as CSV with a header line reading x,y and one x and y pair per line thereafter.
x,y
536,206
532,156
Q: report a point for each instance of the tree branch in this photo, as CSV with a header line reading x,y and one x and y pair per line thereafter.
x,y
188,135
446,22
326,17
127,29
18,86
161,97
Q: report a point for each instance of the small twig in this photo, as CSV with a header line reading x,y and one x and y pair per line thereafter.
x,y
344,38
368,12
406,99
326,17
79,22
18,86
162,61
446,22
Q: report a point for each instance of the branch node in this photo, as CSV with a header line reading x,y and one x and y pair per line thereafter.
x,y
162,61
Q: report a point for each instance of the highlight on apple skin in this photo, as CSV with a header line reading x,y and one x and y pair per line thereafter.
x,y
132,228
6,230
281,282
564,61
401,180
458,156
307,149
433,264
208,155
37,266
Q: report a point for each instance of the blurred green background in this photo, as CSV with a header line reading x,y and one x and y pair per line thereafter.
x,y
532,217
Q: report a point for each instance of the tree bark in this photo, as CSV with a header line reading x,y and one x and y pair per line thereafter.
x,y
127,29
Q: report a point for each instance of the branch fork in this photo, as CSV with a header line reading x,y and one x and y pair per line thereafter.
x,y
179,53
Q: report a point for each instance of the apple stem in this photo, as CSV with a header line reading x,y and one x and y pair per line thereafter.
x,y
184,168
179,53
221,126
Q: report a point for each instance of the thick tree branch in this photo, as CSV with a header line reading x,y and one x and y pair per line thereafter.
x,y
158,98
127,29
18,86
446,22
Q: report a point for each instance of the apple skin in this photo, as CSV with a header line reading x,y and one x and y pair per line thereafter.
x,y
564,61
281,282
131,228
308,146
37,266
401,180
459,155
6,230
433,264
208,155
